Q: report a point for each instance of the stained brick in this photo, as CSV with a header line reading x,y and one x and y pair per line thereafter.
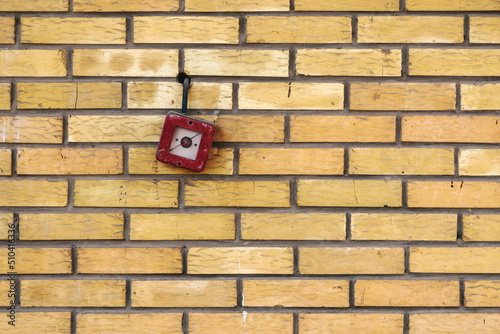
x,y
27,129
484,29
28,193
479,96
7,31
5,162
6,225
36,260
482,293
459,323
229,323
32,63
5,95
481,227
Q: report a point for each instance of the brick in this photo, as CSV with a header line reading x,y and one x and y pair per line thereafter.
x,y
69,161
298,29
5,162
125,5
69,95
347,5
240,260
22,129
451,5
37,322
5,287
451,129
399,161
449,194
5,95
126,193
33,63
293,226
332,129
481,227
36,261
454,62
351,261
484,29
410,29
402,96
182,293
164,323
297,161
346,193
345,62
407,293
34,5
253,129
73,293
458,323
266,63
408,227
477,260
291,95
344,323
168,95
182,226
7,31
482,293
192,29
129,260
249,323
296,293
70,226
125,63
28,193
236,5
479,96
249,193
6,225
479,162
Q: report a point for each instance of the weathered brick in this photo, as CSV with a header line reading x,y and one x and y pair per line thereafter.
x,y
32,63
407,293
266,63
346,193
126,193
345,62
182,293
451,5
351,261
55,161
453,194
394,226
182,226
5,95
34,5
28,193
240,260
5,288
298,29
236,5
230,323
21,129
481,227
479,96
410,29
482,294
484,29
402,96
7,31
168,323
37,322
347,5
125,63
5,162
36,260
457,323
125,5
345,323
6,225
479,162
192,29
73,293
129,260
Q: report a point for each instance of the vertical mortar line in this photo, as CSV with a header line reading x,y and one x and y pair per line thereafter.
x,y
125,160
462,293
184,255
296,259
236,161
460,228
354,29
126,226
295,323
458,101
402,6
128,294
182,6
292,6
240,299
293,193
347,96
234,98
286,129
292,62
346,160
406,323
74,260
17,31
129,30
185,322
16,227
348,226
180,194
13,163
407,260
237,227
242,30
181,60
405,62
404,194
352,299
466,29
456,161
73,322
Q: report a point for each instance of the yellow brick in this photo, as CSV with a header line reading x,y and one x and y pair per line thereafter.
x,y
237,193
296,293
125,5
5,162
402,96
346,323
70,226
481,227
393,226
34,5
7,31
240,260
33,193
451,129
126,193
4,95
160,323
66,95
479,162
342,129
346,5
452,5
36,260
192,29
407,161
407,293
248,323
480,96
73,293
482,293
129,260
298,29
345,62
457,323
351,261
291,95
484,29
254,129
182,226
55,161
32,63
236,5
5,290
125,63
454,62
182,293
298,161
20,129
477,260
266,63
6,225
37,322
356,193
410,29
450,194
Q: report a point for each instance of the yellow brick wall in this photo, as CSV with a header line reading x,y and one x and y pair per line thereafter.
x,y
353,185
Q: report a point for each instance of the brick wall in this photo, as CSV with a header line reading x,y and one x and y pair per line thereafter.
x,y
353,186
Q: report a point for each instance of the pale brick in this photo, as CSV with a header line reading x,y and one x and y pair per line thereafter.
x,y
125,5
484,29
457,323
248,323
236,5
5,289
347,323
36,260
22,129
480,96
6,225
347,5
479,162
37,322
33,63
254,129
452,5
159,323
5,162
33,193
482,294
5,95
481,227
7,31
34,5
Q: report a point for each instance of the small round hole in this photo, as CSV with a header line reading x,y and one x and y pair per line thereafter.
x,y
190,122
179,163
